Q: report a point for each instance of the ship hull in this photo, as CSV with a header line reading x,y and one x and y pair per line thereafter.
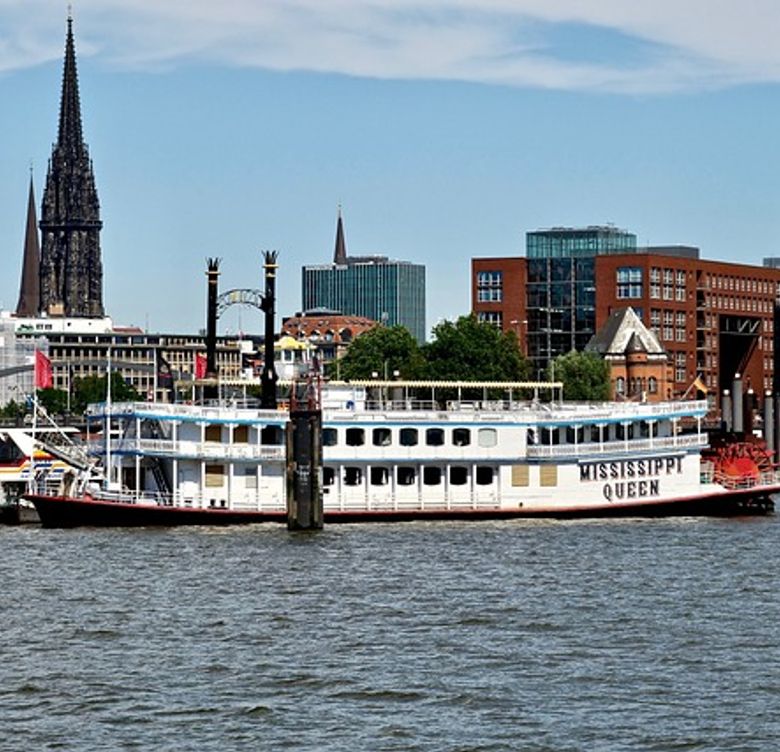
x,y
66,512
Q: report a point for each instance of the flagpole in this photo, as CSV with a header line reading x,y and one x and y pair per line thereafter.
x,y
107,426
31,478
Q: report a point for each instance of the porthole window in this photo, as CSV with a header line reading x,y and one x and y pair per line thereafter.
x,y
434,437
330,436
356,437
381,437
487,437
461,437
408,437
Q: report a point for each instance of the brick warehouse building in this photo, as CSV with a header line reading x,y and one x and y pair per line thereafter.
x,y
714,318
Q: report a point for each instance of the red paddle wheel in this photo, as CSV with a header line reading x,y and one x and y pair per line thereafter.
x,y
740,463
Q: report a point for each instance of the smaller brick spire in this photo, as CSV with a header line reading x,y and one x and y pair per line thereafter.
x,y
29,290
340,254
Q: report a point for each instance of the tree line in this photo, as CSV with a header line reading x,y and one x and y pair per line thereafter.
x,y
465,350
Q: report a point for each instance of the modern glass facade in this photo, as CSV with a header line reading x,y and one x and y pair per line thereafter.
x,y
392,292
564,242
561,288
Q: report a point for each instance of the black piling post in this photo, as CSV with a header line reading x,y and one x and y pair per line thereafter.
x,y
304,459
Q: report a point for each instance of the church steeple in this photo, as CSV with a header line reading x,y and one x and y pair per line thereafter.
x,y
340,253
71,271
29,294
70,107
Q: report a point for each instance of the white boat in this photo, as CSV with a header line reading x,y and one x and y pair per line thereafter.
x,y
401,459
19,459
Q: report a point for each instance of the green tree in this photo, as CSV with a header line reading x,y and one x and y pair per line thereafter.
x,y
382,350
93,389
472,350
585,376
54,401
13,410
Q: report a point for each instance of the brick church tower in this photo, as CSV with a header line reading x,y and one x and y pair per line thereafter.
x,y
71,271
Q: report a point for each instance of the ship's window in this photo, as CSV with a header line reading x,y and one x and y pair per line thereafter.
x,y
215,476
250,477
328,476
405,476
520,475
381,437
408,437
330,436
214,433
353,476
459,476
272,435
241,435
431,476
461,436
434,437
484,476
356,437
487,437
380,476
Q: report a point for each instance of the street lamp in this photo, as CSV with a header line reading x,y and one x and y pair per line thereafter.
x,y
519,326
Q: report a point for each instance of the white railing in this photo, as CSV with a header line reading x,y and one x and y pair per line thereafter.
x,y
618,447
223,412
190,449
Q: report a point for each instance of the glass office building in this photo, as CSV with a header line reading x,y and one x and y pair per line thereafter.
x,y
561,287
391,292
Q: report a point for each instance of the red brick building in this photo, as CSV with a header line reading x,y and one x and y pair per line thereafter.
x,y
714,319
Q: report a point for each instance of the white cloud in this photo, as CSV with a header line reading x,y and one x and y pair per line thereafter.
x,y
684,43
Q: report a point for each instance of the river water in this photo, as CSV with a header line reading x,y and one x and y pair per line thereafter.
x,y
523,635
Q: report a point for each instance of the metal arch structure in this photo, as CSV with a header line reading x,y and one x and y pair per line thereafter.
x,y
253,298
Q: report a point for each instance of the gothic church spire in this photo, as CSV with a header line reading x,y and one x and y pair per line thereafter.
x,y
71,271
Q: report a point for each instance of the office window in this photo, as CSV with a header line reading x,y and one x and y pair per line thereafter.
x,y
490,286
629,282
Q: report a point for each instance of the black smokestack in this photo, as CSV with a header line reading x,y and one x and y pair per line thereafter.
x,y
212,274
269,377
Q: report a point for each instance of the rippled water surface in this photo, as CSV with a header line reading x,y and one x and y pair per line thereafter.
x,y
618,635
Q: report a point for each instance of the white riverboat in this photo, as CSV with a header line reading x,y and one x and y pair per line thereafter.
x,y
402,459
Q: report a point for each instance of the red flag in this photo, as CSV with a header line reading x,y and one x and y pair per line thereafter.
x,y
200,366
43,376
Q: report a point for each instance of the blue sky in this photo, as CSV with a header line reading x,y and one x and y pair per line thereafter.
x,y
446,129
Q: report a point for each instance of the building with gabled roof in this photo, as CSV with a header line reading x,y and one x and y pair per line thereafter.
x,y
639,364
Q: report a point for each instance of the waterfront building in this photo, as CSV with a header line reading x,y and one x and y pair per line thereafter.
x,y
375,287
81,347
330,332
715,319
638,364
70,272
